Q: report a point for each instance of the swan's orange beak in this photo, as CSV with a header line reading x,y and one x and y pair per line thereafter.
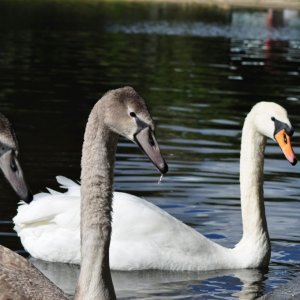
x,y
284,142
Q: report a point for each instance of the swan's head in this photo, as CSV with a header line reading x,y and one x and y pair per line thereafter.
x,y
126,114
272,120
9,163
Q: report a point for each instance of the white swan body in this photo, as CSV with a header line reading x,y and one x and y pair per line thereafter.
x,y
146,237
140,237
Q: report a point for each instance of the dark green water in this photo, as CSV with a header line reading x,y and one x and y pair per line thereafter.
x,y
200,71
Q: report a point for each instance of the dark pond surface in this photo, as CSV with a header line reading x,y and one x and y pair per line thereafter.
x,y
200,70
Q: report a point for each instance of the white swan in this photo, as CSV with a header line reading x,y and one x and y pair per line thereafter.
x,y
120,111
146,237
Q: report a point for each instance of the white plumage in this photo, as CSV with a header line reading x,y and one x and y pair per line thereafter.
x,y
140,239
49,225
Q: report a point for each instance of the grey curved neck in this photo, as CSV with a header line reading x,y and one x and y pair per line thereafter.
x,y
98,155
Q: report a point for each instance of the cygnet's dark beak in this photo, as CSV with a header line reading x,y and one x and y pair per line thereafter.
x,y
12,171
147,142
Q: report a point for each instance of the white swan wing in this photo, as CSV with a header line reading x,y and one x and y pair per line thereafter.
x,y
49,226
53,207
146,237
143,235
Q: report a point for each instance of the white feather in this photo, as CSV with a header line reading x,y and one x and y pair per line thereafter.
x,y
143,235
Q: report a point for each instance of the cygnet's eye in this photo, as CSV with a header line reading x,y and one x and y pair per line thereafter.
x,y
132,114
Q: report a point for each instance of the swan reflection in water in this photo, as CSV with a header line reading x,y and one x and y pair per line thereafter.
x,y
140,284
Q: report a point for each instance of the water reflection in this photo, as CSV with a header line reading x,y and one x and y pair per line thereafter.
x,y
274,25
282,18
200,70
163,284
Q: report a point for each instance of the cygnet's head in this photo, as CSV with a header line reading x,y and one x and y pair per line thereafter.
x,y
272,120
9,163
127,114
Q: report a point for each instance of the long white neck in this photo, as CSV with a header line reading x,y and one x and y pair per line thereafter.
x,y
97,162
255,230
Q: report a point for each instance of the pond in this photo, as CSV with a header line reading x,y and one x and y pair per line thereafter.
x,y
200,69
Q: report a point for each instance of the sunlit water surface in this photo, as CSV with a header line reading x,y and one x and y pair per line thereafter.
x,y
200,71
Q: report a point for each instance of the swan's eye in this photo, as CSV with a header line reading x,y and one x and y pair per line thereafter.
x,y
132,114
284,138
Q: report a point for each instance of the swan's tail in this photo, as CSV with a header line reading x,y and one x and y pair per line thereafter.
x,y
65,182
